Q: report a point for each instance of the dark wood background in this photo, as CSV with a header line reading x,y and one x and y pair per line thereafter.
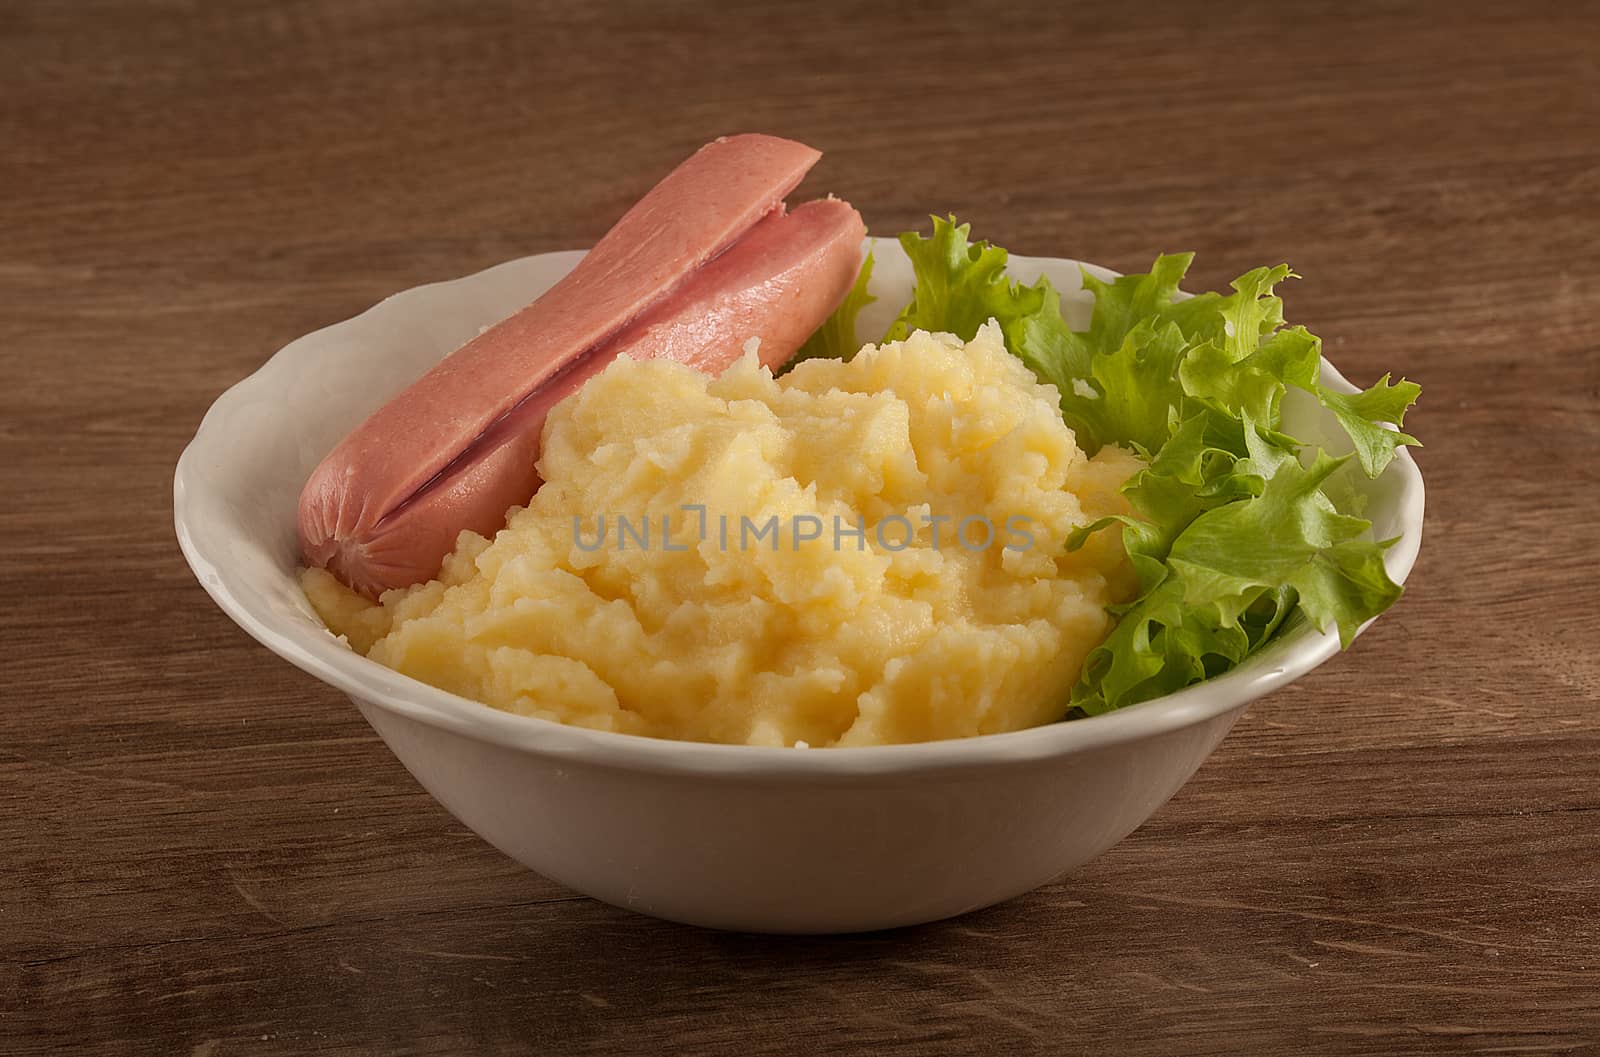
x,y
203,852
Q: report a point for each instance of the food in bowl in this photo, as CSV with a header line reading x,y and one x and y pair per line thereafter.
x,y
857,552
1185,532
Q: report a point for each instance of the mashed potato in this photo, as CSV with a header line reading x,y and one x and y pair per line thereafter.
x,y
752,560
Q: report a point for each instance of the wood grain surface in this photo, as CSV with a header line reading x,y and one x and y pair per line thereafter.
x,y
204,852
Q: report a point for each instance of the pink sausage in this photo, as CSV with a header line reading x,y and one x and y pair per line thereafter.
x,y
778,283
457,449
695,213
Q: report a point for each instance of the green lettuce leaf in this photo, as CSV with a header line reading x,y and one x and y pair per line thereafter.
x,y
1291,536
1362,415
960,285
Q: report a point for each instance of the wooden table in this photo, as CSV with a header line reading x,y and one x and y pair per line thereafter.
x,y
207,853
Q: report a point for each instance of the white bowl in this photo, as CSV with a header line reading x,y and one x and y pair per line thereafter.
x,y
733,837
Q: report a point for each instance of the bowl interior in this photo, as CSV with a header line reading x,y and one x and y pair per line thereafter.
x,y
238,483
